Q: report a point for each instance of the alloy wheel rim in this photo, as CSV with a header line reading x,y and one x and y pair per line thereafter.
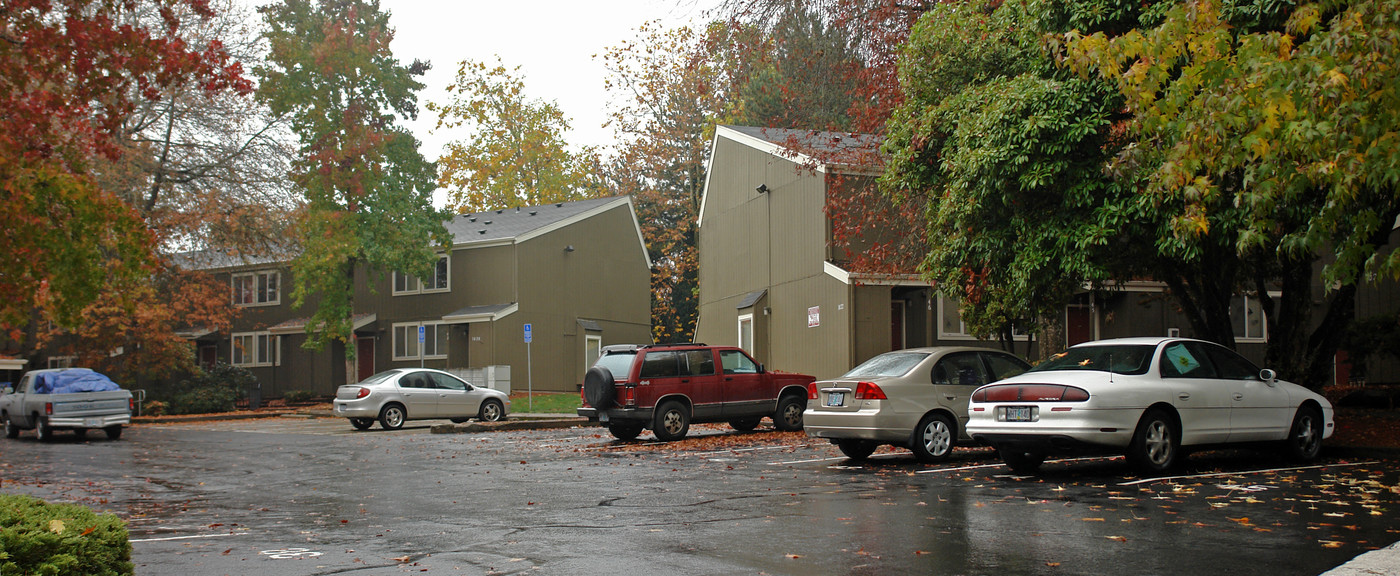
x,y
1159,443
936,438
672,422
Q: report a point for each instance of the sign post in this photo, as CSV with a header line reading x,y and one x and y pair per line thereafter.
x,y
529,372
422,331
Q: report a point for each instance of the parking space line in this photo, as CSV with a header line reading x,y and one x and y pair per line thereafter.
x,y
1246,472
754,449
185,537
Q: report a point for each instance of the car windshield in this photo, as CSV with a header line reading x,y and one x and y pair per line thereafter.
x,y
619,363
1120,359
888,365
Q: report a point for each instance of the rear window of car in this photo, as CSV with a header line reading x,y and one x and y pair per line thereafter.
x,y
1127,359
619,363
888,365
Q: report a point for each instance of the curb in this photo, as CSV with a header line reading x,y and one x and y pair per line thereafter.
x,y
510,425
206,417
1383,562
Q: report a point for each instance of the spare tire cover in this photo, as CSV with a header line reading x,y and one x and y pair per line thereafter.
x,y
598,388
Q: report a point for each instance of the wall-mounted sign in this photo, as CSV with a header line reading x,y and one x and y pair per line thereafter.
x,y
814,316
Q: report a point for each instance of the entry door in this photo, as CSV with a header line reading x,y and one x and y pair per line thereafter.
x,y
364,358
897,325
208,356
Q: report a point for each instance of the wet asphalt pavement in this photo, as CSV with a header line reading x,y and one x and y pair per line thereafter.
x,y
298,496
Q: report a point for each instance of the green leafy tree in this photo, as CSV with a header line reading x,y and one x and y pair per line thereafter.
x,y
518,155
368,191
805,77
1278,123
1007,153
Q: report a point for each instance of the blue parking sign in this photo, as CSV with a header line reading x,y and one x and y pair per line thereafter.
x,y
421,333
528,335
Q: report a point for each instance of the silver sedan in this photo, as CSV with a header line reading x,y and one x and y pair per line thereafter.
x,y
395,396
915,398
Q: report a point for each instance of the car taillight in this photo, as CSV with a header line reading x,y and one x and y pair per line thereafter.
x,y
811,390
362,393
48,408
131,404
869,391
1030,393
629,396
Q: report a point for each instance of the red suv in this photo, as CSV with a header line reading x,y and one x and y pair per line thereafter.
x,y
666,387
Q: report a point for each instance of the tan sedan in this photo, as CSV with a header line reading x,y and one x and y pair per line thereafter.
x,y
915,398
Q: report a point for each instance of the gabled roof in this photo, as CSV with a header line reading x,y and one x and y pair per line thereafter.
x,y
490,228
825,150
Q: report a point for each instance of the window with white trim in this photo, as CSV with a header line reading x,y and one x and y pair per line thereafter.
x,y
746,333
255,349
434,341
1247,318
439,281
262,288
592,348
61,361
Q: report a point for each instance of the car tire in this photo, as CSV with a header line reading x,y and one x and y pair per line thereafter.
x,y
856,449
1020,461
788,418
362,423
1156,445
42,429
744,424
599,387
1305,435
934,438
113,432
392,416
491,411
626,432
672,422
81,433
11,430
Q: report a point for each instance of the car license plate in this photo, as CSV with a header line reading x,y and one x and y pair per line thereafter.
x,y
835,398
1018,413
92,422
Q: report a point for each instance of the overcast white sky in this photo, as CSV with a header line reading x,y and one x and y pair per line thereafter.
x,y
553,42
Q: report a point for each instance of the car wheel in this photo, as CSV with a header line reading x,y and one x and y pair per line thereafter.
x,y
11,431
934,438
856,449
392,417
42,429
599,387
491,411
1305,436
362,423
672,422
113,432
1156,444
1020,461
789,416
744,424
81,433
627,432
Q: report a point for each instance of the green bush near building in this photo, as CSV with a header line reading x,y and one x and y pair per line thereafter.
x,y
60,539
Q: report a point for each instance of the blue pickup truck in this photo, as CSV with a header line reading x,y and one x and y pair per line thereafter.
x,y
76,399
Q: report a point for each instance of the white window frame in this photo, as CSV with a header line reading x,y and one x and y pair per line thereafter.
x,y
266,349
408,333
743,321
592,349
414,285
962,326
274,275
61,361
1240,326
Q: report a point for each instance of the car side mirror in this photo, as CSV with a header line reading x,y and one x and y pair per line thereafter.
x,y
1268,376
8,390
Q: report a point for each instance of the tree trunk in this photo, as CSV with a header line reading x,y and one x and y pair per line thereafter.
x,y
1052,335
352,374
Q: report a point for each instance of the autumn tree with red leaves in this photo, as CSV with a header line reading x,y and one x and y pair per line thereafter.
x,y
74,73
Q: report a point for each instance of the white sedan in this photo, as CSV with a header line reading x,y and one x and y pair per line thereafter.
x,y
395,396
1148,398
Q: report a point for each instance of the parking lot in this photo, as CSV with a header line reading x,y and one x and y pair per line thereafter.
x,y
311,496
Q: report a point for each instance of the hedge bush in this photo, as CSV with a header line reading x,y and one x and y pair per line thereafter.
x,y
215,389
60,539
299,396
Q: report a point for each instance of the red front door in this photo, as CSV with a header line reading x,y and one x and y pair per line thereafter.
x,y
364,357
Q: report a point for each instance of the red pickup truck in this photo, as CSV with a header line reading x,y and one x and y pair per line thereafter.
x,y
666,387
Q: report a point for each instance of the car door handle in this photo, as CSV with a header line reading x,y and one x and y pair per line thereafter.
x,y
1239,396
950,396
1184,396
